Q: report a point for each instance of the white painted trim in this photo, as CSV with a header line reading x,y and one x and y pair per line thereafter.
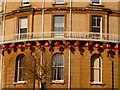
x,y
101,68
43,5
101,28
69,70
57,81
88,36
41,59
97,83
20,82
3,30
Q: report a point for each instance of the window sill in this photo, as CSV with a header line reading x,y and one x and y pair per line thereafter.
x,y
57,82
25,6
19,82
97,83
99,5
62,3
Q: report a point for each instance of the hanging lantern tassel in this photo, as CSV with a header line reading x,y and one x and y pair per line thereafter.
x,y
47,44
38,44
28,45
57,44
87,44
67,44
20,46
97,45
107,46
77,44
4,47
116,47
11,46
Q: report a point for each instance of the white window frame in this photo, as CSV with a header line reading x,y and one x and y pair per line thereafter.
x,y
57,33
58,81
23,4
19,31
100,74
59,2
96,3
98,26
18,72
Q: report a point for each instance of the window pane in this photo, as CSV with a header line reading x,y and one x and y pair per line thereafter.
x,y
98,22
95,1
53,74
58,60
96,68
59,1
21,74
58,67
61,70
22,31
95,29
96,75
58,73
23,23
59,23
93,22
20,68
96,63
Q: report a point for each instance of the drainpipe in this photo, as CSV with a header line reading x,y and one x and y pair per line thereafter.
x,y
43,17
33,22
3,30
112,75
69,65
69,70
107,25
1,69
41,59
70,18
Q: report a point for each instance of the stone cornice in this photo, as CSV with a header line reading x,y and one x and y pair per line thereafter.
x,y
85,10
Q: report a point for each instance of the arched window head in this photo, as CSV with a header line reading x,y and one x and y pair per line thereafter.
x,y
57,67
20,68
96,68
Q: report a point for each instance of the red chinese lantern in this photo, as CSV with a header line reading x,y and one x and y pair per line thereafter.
x,y
116,47
4,47
97,45
107,46
56,44
20,46
87,44
77,44
28,45
11,46
38,44
47,44
67,44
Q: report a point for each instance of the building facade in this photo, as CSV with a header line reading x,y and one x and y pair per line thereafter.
x,y
60,44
